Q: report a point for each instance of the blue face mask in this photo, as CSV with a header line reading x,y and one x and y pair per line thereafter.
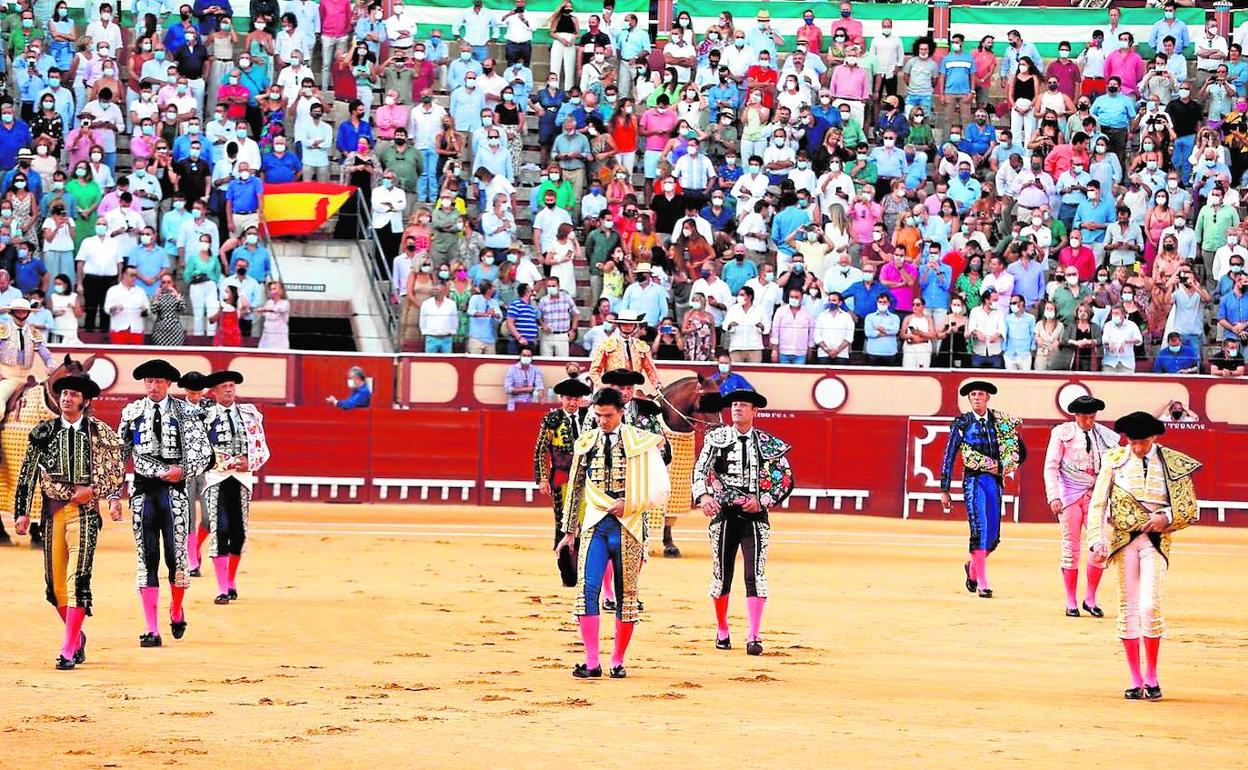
x,y
964,175
1175,348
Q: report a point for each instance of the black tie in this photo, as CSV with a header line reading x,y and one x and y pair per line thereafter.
x,y
576,428
21,346
745,463
235,433
606,440
1087,437
73,455
628,350
158,430
1145,461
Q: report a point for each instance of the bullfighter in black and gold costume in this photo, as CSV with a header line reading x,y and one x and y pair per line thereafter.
x,y
167,438
617,475
1143,494
236,433
741,473
552,456
75,460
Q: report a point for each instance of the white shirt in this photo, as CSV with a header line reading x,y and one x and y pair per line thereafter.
x,y
518,29
742,327
401,28
833,328
99,256
62,236
838,278
839,192
528,272
438,320
107,114
748,189
290,79
548,221
1222,260
1203,43
308,16
1120,342
125,307
693,172
753,231
424,126
990,323
888,54
1186,240
717,291
682,51
766,297
389,215
120,218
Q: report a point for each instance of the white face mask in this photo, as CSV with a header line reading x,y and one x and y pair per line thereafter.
x,y
350,384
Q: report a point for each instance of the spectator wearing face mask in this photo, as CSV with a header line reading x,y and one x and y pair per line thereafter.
x,y
1229,362
248,289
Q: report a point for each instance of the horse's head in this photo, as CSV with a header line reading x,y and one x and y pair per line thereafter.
x,y
690,402
66,368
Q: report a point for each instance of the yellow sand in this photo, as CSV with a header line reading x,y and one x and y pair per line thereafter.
x,y
440,637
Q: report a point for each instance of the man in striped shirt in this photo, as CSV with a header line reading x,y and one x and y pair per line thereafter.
x,y
521,320
559,317
523,382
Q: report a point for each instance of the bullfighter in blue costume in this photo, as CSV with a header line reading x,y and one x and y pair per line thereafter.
x,y
991,449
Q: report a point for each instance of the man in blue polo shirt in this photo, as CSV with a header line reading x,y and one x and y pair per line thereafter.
x,y
1114,111
521,320
1176,358
14,135
953,87
354,129
243,199
281,166
149,258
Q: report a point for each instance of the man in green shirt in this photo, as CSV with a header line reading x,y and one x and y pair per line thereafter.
x,y
399,157
599,244
1070,295
1214,220
565,195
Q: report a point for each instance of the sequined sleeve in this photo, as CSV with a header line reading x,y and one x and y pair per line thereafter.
x,y
541,452
29,474
197,452
703,473
1098,506
951,452
577,478
1184,510
107,465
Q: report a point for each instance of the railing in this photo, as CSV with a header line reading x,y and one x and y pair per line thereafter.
x,y
376,265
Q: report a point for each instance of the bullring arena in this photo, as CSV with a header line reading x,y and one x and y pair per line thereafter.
x,y
438,636
420,622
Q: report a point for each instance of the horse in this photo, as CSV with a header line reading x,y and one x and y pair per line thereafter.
x,y
689,404
33,403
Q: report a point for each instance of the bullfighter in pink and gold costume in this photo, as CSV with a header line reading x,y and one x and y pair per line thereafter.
x,y
1076,449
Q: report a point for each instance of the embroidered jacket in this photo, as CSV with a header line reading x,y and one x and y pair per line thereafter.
x,y
636,475
1124,498
996,440
183,438
1070,467
235,432
60,459
730,468
552,456
20,345
619,352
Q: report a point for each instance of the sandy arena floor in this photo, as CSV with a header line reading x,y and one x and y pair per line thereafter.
x,y
440,637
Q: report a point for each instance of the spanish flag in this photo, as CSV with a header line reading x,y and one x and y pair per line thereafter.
x,y
299,208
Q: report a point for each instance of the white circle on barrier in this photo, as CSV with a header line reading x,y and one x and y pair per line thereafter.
x,y
103,372
831,393
1068,393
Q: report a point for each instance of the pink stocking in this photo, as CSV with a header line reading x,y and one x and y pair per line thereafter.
x,y
623,634
1132,646
1094,580
221,565
74,616
201,535
150,597
979,560
234,560
175,607
754,608
589,635
61,611
1152,649
721,616
608,583
1071,578
192,551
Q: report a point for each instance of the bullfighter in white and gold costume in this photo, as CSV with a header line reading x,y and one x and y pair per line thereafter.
x,y
617,475
19,344
1143,495
236,432
1073,459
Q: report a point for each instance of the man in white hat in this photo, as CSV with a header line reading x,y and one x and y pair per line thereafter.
x,y
646,296
625,349
19,344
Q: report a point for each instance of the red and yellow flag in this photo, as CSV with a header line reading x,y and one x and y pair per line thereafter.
x,y
299,208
